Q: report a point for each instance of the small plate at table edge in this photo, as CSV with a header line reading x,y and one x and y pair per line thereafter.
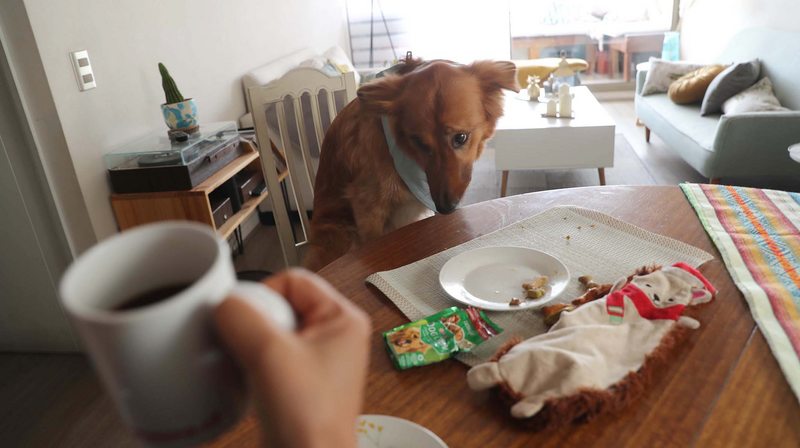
x,y
364,421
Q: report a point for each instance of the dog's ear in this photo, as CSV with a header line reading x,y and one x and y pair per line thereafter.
x,y
495,75
379,96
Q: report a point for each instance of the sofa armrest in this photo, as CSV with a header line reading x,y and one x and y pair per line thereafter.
x,y
756,143
773,124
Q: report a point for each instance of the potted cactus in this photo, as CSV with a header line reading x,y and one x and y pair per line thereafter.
x,y
180,114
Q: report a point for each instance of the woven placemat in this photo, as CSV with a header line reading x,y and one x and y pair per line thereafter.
x,y
586,241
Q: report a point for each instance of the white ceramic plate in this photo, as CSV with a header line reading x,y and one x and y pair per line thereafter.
x,y
384,431
489,277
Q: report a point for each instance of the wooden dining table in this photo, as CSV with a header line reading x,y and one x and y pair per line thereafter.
x,y
723,388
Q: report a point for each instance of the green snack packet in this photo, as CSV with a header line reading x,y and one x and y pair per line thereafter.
x,y
438,337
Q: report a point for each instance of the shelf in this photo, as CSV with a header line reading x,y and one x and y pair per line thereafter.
x,y
225,230
135,209
228,170
283,175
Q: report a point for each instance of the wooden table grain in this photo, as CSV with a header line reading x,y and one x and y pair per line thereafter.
x,y
724,387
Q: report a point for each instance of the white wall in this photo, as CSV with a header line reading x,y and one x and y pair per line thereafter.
x,y
707,25
42,128
206,44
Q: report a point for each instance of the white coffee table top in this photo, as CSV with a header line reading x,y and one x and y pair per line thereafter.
x,y
525,140
521,114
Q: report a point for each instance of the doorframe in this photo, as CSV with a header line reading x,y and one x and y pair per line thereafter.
x,y
21,62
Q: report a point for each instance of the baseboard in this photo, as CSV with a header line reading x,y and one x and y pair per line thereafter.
x,y
614,95
597,87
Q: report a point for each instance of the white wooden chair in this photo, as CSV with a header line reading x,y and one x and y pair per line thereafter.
x,y
280,117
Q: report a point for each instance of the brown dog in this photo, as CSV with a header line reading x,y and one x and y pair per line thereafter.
x,y
439,115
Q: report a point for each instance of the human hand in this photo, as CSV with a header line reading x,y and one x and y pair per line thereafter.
x,y
307,385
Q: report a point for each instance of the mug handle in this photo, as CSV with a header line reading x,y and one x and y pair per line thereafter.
x,y
268,302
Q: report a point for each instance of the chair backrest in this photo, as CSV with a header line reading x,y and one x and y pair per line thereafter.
x,y
291,115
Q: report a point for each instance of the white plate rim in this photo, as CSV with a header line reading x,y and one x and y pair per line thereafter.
x,y
407,422
528,304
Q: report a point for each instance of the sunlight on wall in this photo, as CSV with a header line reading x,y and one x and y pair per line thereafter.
x,y
707,25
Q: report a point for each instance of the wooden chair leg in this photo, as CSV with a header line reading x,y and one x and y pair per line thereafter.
x,y
647,134
504,184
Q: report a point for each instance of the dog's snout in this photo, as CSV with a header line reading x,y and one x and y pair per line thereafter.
x,y
447,207
655,296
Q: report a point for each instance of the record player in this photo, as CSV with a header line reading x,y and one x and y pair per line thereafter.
x,y
155,163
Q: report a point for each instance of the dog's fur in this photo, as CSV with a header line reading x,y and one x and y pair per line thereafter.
x,y
358,195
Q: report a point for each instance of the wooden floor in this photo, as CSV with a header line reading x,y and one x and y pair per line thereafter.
x,y
635,163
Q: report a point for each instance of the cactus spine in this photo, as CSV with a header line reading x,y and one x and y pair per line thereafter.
x,y
171,92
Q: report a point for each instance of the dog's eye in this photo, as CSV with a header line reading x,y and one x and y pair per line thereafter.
x,y
648,285
459,139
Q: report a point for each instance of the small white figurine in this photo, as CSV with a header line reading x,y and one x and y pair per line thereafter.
x,y
533,88
565,104
551,107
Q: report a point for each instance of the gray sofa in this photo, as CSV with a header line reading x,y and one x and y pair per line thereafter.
x,y
751,145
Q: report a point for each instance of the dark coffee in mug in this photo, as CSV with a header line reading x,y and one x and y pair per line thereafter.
x,y
150,297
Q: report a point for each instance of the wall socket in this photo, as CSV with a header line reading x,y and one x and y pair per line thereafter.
x,y
83,70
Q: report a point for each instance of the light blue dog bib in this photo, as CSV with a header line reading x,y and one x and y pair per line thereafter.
x,y
413,176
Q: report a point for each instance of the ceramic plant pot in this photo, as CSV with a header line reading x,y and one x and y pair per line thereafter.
x,y
182,115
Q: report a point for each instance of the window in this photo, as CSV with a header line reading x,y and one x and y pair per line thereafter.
x,y
611,35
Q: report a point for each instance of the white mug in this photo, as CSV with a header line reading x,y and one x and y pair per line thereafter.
x,y
161,363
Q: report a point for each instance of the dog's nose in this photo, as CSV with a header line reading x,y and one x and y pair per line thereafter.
x,y
446,208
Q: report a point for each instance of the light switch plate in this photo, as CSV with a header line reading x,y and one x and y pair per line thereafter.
x,y
83,70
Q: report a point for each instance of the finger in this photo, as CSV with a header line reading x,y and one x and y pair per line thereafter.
x,y
245,331
313,299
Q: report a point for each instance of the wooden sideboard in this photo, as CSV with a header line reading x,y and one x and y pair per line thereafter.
x,y
134,209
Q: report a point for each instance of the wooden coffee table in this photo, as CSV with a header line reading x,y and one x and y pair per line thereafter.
x,y
525,140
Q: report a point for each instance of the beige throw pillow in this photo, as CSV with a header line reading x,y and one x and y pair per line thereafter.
x,y
662,73
691,87
757,98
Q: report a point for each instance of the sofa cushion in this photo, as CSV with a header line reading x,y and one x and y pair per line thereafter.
x,y
662,73
757,98
731,81
691,87
686,119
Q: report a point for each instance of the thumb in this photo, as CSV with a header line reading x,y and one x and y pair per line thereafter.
x,y
246,331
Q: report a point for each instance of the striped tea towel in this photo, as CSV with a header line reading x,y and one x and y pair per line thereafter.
x,y
756,231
